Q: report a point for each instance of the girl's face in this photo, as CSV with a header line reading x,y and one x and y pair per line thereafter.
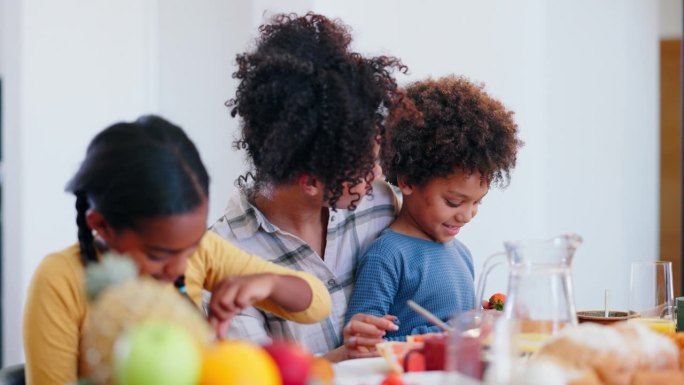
x,y
438,210
160,246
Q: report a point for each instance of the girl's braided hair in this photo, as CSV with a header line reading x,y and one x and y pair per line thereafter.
x,y
135,171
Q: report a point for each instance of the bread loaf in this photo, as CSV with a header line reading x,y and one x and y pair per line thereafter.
x,y
612,355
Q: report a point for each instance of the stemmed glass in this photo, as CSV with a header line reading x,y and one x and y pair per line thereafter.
x,y
651,298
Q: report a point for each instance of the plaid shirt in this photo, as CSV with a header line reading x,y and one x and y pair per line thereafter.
x,y
349,235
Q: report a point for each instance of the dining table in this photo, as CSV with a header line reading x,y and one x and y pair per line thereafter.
x,y
372,371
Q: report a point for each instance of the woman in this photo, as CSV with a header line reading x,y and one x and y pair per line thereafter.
x,y
312,119
142,191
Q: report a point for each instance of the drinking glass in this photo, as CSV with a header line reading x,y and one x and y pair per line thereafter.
x,y
651,295
468,345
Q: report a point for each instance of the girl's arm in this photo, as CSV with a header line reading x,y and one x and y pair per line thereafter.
x,y
285,285
220,266
234,294
53,315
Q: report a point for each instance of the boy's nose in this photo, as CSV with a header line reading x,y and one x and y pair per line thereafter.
x,y
464,216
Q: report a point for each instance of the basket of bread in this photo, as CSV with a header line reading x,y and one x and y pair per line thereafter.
x,y
626,353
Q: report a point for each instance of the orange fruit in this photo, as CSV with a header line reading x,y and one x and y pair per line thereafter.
x,y
239,363
392,378
322,371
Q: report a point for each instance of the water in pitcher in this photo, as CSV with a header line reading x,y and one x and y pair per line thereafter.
x,y
539,295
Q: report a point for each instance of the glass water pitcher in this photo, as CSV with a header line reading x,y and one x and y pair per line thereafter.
x,y
539,296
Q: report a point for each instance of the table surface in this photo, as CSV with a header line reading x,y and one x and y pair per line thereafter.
x,y
371,371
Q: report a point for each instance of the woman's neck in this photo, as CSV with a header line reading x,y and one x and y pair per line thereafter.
x,y
296,213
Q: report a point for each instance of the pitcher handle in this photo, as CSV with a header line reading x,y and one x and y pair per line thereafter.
x,y
489,264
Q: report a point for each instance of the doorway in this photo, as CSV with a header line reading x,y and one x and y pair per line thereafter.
x,y
671,158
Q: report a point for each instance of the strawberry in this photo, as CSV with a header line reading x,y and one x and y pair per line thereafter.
x,y
497,301
414,361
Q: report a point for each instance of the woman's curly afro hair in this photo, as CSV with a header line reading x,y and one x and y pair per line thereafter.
x,y
459,128
310,106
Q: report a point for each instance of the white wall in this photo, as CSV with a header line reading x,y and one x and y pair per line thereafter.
x,y
671,19
580,77
601,158
197,48
71,68
484,41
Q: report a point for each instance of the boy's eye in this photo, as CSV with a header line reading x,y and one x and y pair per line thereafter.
x,y
452,204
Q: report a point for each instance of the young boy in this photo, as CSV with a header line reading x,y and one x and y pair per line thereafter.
x,y
444,162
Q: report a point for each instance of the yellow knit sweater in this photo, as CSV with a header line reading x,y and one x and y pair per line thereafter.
x,y
57,308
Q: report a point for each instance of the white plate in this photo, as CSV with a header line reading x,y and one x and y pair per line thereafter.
x,y
361,367
371,371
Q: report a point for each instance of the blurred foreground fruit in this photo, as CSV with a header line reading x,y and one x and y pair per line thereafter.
x,y
156,352
121,301
393,378
294,363
414,361
238,363
322,372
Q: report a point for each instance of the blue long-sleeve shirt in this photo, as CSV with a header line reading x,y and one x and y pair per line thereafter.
x,y
397,267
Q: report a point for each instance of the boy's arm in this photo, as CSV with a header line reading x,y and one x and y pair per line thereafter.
x,y
376,284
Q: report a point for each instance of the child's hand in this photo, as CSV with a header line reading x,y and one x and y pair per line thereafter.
x,y
232,295
363,332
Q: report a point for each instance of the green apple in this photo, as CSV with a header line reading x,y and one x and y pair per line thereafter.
x,y
156,352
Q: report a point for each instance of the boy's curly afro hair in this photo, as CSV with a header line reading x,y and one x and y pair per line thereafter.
x,y
460,128
310,106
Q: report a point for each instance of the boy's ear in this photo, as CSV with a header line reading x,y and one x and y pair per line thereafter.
x,y
97,222
405,188
309,185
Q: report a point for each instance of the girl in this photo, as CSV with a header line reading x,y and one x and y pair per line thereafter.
x,y
142,190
